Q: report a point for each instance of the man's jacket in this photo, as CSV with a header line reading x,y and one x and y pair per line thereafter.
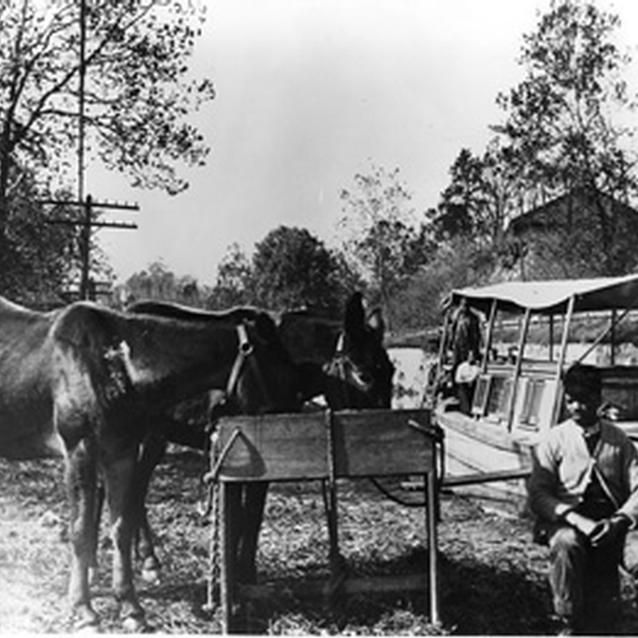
x,y
563,468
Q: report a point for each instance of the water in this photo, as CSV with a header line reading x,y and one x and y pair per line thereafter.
x,y
412,366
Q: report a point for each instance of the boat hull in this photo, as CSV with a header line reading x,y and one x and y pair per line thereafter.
x,y
483,460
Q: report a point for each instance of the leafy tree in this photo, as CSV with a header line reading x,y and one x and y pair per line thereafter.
x,y
156,282
137,91
40,258
234,285
481,197
380,234
560,122
292,268
456,264
159,283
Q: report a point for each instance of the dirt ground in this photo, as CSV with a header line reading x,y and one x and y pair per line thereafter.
x,y
492,577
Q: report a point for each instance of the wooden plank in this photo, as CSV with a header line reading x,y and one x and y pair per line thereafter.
x,y
354,585
275,447
295,446
485,432
381,443
485,477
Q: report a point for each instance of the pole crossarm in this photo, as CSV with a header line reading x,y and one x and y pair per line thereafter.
x,y
71,222
106,204
87,223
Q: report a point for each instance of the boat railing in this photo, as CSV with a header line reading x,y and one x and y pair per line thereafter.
x,y
535,367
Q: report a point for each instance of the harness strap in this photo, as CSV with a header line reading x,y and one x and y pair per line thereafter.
x,y
245,349
343,376
339,363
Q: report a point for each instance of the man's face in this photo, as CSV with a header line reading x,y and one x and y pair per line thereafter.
x,y
582,404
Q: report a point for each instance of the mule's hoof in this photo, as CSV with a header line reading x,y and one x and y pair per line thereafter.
x,y
87,630
134,624
151,570
151,576
86,622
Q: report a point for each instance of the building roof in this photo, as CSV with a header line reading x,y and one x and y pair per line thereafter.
x,y
579,197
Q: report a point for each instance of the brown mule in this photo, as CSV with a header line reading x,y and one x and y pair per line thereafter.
x,y
88,384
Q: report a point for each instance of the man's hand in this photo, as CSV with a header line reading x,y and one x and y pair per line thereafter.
x,y
583,524
609,530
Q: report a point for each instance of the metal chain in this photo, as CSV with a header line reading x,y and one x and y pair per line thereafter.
x,y
214,558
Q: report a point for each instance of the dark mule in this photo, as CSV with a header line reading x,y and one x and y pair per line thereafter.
x,y
345,361
88,383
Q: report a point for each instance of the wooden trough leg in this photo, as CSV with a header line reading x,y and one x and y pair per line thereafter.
x,y
330,499
337,572
227,584
431,525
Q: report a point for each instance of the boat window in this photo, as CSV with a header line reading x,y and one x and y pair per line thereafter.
x,y
479,402
499,397
529,415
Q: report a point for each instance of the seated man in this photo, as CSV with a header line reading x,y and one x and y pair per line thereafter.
x,y
584,493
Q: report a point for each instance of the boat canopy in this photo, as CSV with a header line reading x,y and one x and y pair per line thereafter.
x,y
552,296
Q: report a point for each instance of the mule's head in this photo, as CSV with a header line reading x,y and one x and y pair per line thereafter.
x,y
360,372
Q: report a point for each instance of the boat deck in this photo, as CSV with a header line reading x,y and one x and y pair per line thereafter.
x,y
483,458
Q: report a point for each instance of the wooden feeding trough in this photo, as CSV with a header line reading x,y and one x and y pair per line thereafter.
x,y
322,446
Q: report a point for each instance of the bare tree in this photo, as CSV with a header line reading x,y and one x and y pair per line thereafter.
x,y
137,89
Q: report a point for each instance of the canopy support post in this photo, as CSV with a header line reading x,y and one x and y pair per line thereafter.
x,y
517,369
612,354
488,337
562,356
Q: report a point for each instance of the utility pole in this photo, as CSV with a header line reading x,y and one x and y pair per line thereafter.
x,y
87,222
82,75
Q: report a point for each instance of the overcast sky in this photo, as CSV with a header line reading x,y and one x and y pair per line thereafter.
x,y
310,92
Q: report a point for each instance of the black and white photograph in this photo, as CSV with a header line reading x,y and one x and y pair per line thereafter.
x,y
319,317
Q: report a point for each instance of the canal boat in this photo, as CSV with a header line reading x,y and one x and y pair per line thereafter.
x,y
532,332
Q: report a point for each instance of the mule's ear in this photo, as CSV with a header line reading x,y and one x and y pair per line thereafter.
x,y
376,323
355,316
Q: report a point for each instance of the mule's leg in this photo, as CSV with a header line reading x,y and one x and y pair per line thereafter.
x,y
234,512
145,549
81,487
254,503
152,451
95,531
124,508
